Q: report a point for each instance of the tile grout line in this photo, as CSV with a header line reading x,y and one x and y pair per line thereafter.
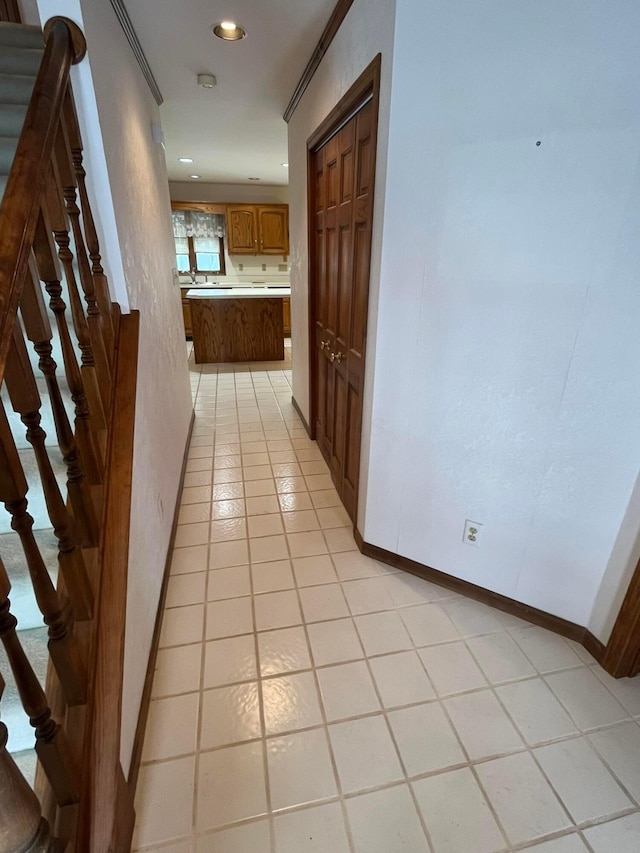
x,y
582,733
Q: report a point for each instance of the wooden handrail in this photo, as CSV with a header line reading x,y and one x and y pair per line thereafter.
x,y
64,46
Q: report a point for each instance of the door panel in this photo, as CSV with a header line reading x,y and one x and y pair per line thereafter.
x,y
242,230
344,173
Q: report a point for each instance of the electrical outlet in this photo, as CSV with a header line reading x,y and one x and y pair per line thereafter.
x,y
264,267
472,533
241,267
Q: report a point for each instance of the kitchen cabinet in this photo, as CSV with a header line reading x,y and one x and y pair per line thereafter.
x,y
286,316
186,313
242,324
254,229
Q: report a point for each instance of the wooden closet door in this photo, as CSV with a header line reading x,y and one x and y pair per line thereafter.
x,y
364,174
343,195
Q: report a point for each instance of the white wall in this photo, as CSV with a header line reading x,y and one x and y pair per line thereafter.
x,y
509,296
232,193
134,195
502,381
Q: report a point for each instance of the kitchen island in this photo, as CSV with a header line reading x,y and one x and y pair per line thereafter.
x,y
237,324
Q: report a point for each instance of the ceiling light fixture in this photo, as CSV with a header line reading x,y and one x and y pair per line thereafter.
x,y
229,31
195,177
185,159
206,81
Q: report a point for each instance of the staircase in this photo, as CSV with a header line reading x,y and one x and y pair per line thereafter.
x,y
67,392
21,50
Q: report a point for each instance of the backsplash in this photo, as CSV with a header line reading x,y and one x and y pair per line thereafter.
x,y
248,270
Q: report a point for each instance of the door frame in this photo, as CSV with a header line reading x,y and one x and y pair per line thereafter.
x,y
621,656
366,88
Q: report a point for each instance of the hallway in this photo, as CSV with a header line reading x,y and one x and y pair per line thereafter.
x,y
308,699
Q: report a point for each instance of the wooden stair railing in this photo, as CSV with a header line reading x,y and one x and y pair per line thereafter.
x,y
51,271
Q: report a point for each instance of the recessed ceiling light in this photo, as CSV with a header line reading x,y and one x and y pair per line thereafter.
x,y
229,31
253,179
185,159
286,165
195,177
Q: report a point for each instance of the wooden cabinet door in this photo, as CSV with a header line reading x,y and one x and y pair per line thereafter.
x,y
242,229
343,193
273,229
286,316
186,311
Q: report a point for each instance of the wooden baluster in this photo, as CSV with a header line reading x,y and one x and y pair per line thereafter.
x,y
91,235
55,211
38,330
95,319
48,272
25,399
51,746
55,610
22,828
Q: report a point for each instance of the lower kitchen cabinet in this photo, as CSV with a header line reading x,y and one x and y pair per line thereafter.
x,y
186,313
286,316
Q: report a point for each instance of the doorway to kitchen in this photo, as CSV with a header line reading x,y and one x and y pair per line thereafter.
x,y
341,178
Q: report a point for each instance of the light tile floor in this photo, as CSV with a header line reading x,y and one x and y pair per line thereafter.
x,y
308,699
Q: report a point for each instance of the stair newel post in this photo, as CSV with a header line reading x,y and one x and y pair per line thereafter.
x,y
51,746
57,218
91,235
38,330
95,319
25,400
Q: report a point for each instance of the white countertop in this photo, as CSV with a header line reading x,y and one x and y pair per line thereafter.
x,y
238,292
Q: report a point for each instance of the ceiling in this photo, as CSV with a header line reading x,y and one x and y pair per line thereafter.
x,y
234,131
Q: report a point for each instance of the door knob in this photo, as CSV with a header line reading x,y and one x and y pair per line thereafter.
x,y
332,356
324,344
338,357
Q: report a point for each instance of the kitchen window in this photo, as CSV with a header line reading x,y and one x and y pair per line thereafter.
x,y
199,242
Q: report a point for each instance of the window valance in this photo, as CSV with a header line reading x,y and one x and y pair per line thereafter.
x,y
194,223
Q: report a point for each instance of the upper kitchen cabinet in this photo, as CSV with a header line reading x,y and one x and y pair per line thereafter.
x,y
258,229
242,229
273,229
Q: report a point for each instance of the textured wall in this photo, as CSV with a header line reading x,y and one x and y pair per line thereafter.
x,y
118,110
502,381
506,381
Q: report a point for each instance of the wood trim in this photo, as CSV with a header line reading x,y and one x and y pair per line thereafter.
x,y
106,805
501,602
622,654
202,206
10,11
328,34
138,742
368,83
301,416
134,43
